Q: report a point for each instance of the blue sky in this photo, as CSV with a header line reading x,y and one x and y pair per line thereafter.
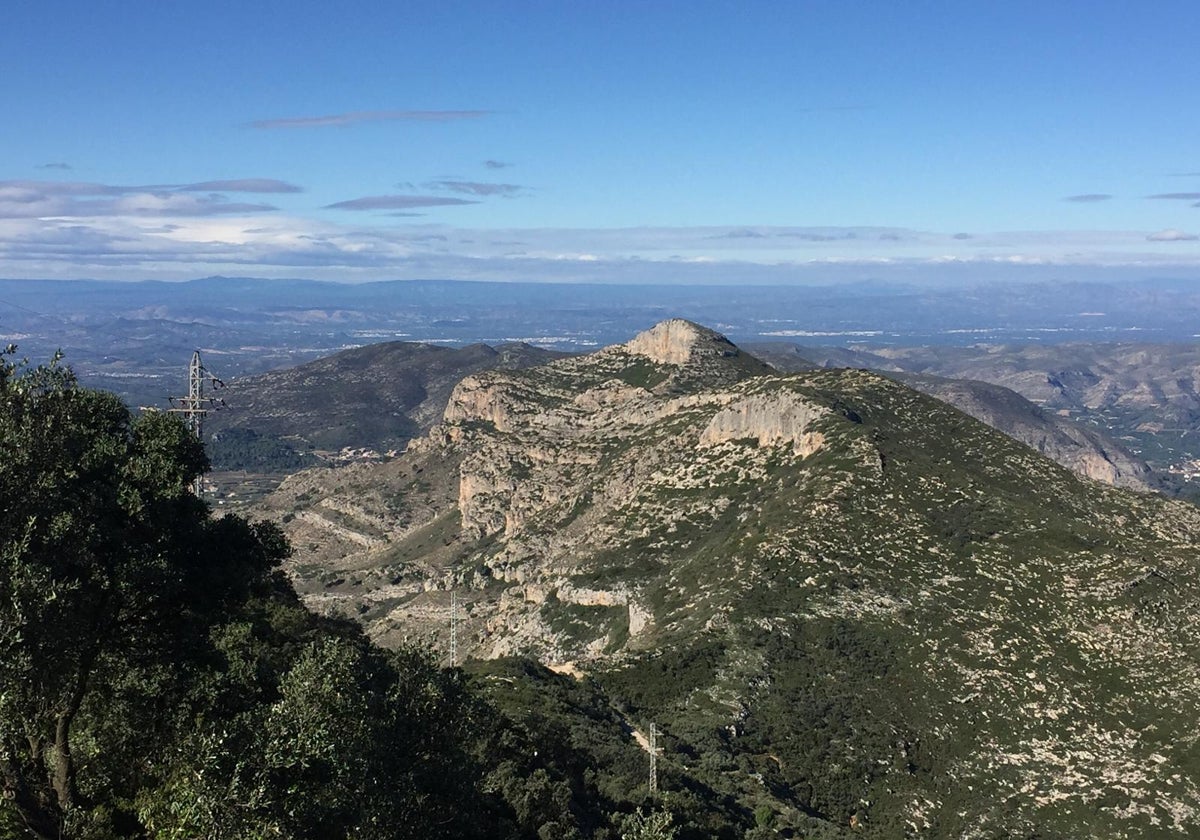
x,y
595,140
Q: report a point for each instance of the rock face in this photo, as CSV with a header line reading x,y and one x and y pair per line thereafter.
x,y
873,602
770,420
677,341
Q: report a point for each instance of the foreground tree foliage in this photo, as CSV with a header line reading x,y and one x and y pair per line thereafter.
x,y
112,577
349,741
157,674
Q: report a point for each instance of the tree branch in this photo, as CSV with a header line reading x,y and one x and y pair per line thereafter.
x,y
39,816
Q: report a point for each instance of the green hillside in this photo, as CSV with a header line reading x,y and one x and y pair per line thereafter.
x,y
848,607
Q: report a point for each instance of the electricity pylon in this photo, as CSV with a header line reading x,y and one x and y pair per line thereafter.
x,y
195,405
453,628
653,759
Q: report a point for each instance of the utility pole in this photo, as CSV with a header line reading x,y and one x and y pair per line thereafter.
x,y
654,759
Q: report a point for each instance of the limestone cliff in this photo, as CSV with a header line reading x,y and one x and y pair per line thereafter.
x,y
677,342
770,420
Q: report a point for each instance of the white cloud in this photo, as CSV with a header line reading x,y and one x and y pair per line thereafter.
x,y
166,236
1172,235
77,199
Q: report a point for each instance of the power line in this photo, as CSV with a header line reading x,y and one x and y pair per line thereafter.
x,y
24,308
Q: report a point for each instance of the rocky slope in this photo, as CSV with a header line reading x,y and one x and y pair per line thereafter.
x,y
1148,395
839,599
1076,445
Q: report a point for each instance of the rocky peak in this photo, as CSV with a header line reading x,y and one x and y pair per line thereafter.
x,y
688,356
677,342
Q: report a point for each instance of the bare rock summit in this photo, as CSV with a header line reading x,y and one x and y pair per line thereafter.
x,y
676,341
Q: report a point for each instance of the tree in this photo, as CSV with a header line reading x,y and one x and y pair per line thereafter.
x,y
112,576
655,825
353,742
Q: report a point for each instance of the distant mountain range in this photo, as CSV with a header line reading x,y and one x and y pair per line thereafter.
x,y
136,338
844,604
257,324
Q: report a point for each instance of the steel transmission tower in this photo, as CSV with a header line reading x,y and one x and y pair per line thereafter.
x,y
453,628
653,759
195,405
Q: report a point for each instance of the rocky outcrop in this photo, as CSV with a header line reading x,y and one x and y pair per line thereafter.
x,y
477,400
676,341
771,420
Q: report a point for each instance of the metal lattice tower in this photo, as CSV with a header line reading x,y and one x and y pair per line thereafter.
x,y
653,759
453,628
195,405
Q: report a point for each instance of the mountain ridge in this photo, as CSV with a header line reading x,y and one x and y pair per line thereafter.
x,y
931,628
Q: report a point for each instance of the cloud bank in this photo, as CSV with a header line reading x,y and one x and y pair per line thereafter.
x,y
24,199
174,240
1172,235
